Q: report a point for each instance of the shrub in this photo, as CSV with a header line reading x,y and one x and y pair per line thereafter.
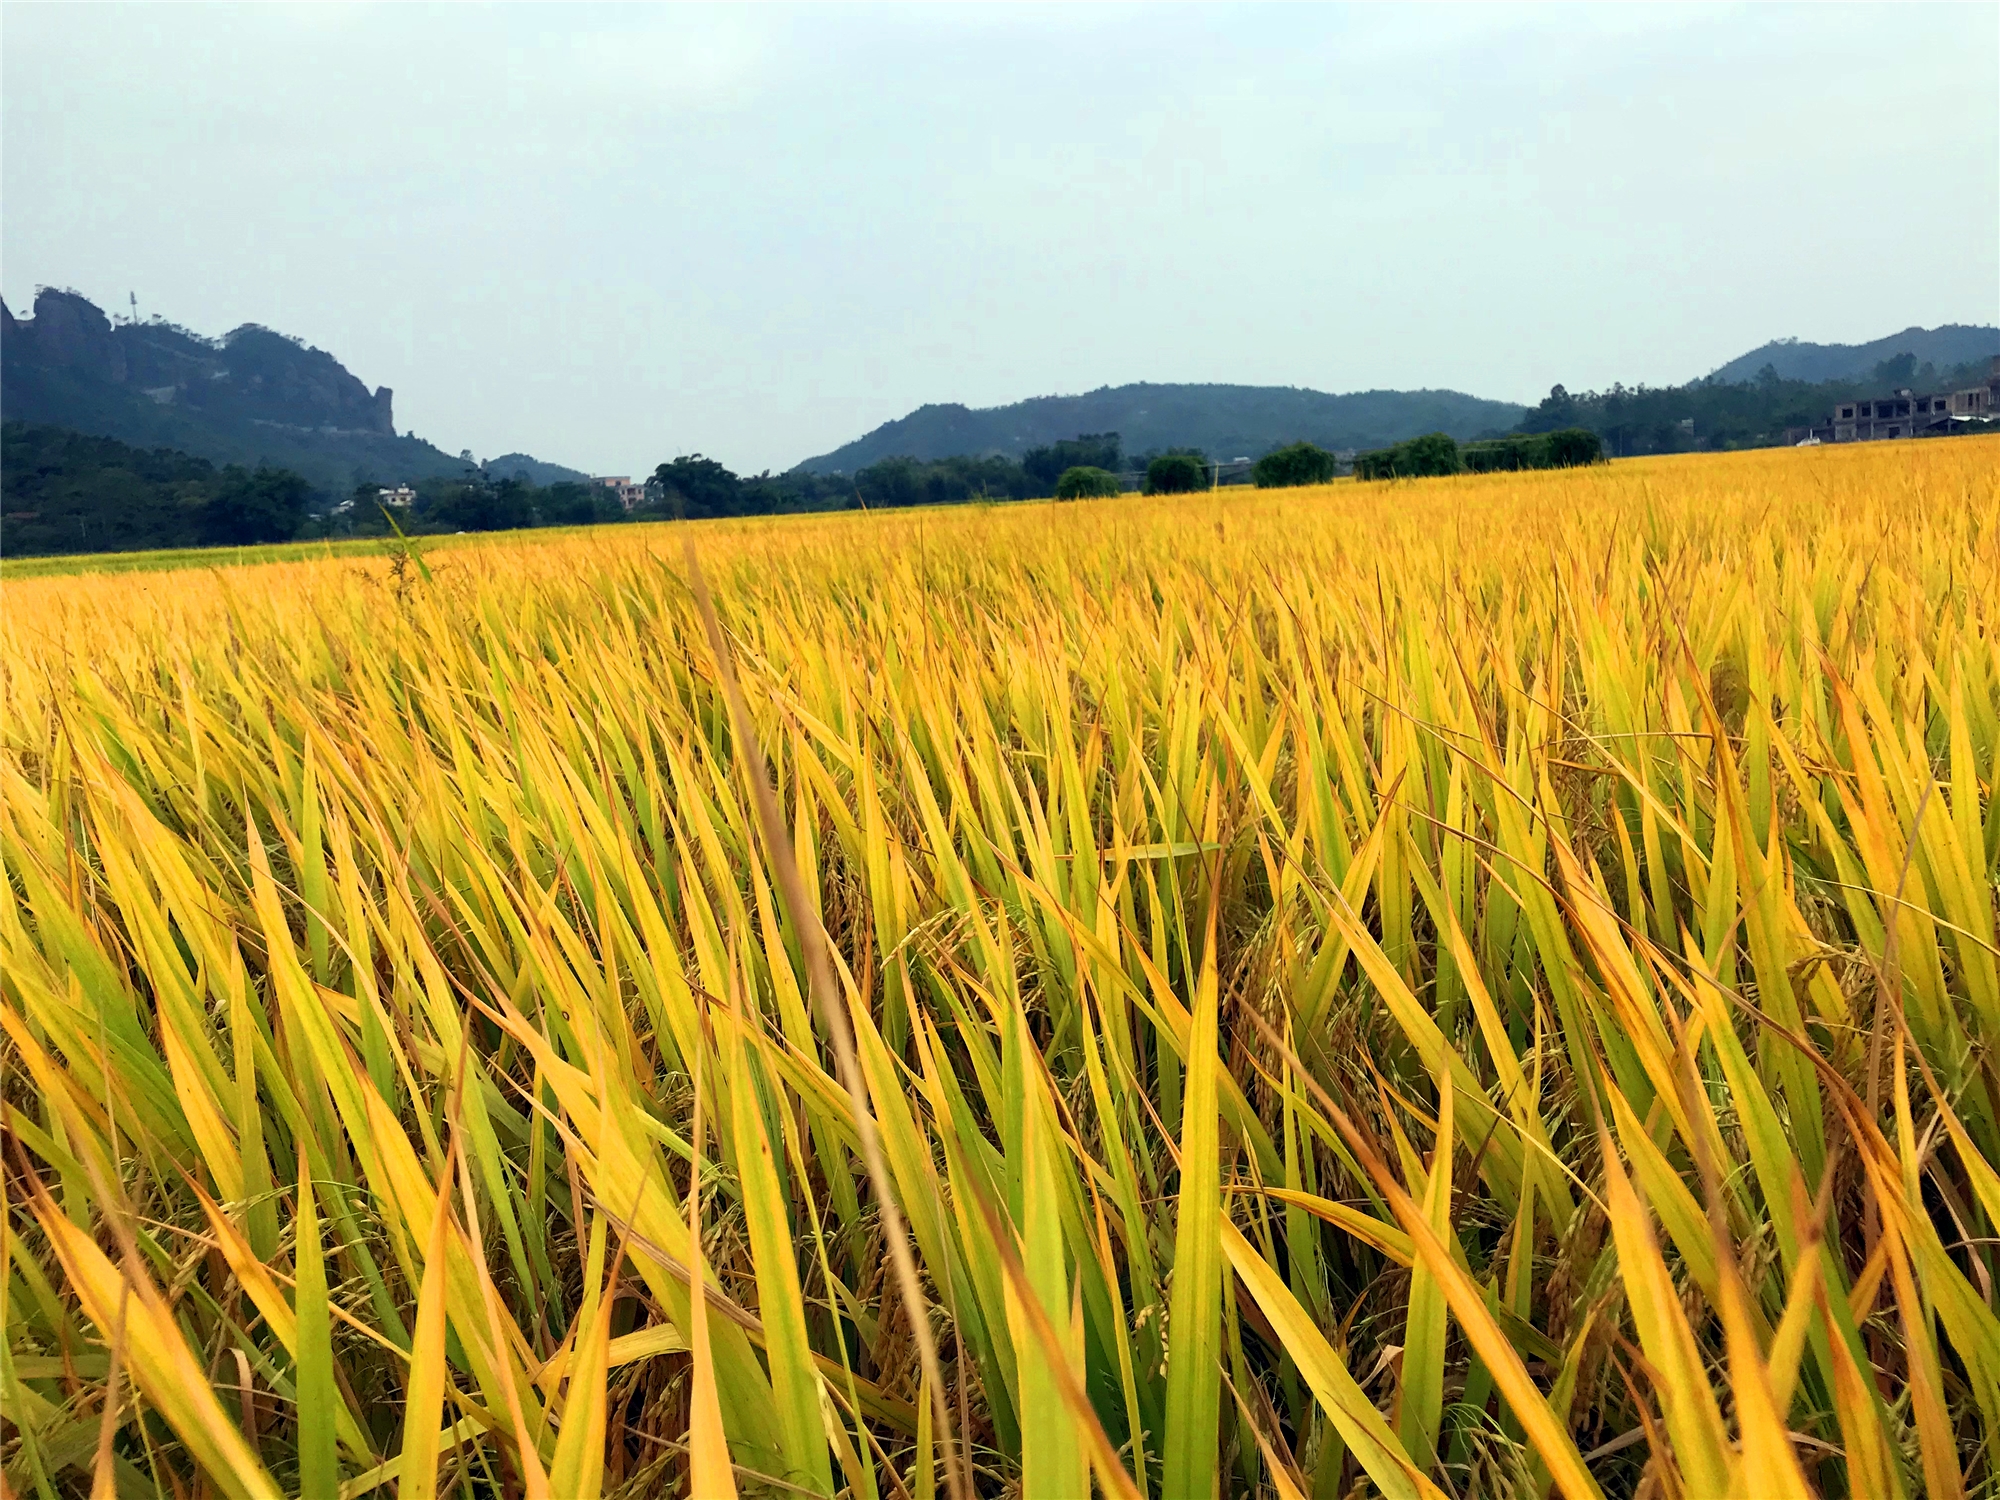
x,y
1084,482
1569,448
1506,454
1176,474
1418,458
1301,463
1573,447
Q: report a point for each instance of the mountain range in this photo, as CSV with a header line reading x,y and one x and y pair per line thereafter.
x,y
257,397
252,397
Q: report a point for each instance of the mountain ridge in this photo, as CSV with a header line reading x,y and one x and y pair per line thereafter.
x,y
1221,419
1946,345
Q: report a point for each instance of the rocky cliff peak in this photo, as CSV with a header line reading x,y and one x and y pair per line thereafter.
x,y
280,379
70,330
252,373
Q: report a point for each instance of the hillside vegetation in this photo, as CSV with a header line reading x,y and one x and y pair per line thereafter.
x,y
1466,986
65,492
61,491
1223,420
1941,348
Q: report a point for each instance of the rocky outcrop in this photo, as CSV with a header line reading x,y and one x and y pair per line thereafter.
x,y
273,378
250,374
252,397
71,332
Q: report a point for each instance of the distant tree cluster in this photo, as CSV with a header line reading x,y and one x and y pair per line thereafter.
x,y
944,481
694,488
1087,482
1088,450
1297,464
1565,448
1426,457
68,492
1177,473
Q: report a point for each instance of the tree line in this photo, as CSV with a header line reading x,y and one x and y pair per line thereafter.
x,y
1090,464
1438,453
698,488
66,492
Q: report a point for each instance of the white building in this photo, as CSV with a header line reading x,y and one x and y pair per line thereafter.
x,y
630,495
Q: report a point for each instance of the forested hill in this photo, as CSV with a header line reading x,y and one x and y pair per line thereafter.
x,y
1226,421
534,470
1942,347
253,397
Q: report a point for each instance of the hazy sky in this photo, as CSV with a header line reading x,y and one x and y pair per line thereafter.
x,y
606,236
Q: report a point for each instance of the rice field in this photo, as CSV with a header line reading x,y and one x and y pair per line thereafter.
x,y
170,559
1463,987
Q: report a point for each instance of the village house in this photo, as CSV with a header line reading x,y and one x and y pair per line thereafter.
x,y
630,495
402,497
1905,414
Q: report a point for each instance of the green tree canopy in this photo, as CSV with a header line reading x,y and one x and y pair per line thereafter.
x,y
1087,450
1573,447
693,488
247,508
943,481
1566,448
1300,463
568,503
1176,474
472,502
1085,482
1420,457
1897,370
1557,409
